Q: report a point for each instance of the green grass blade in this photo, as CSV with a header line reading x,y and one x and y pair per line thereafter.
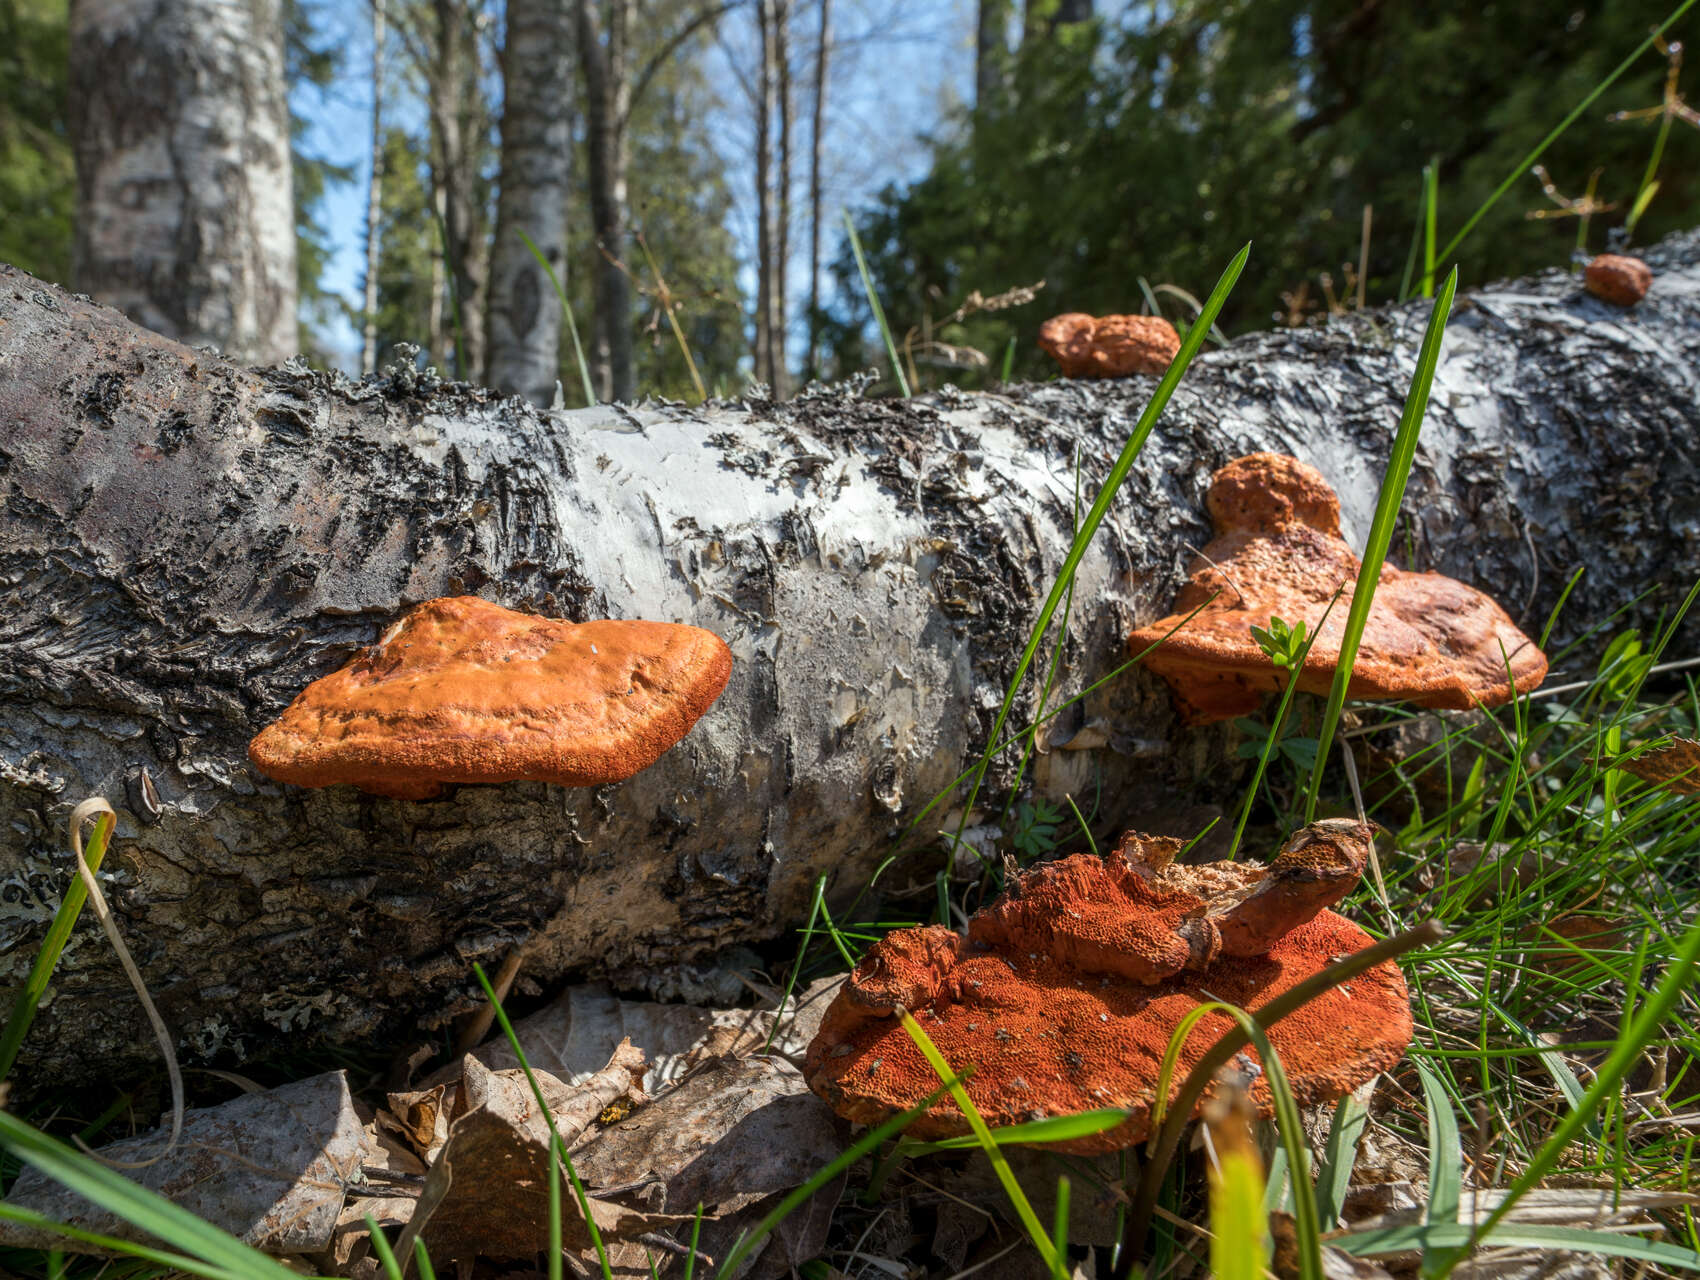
x,y
1572,1239
874,304
1084,1124
381,1247
1381,529
1624,1055
1238,1224
567,313
1339,1154
1288,1122
1522,165
1431,203
982,1132
1445,1153
58,934
556,1145
135,1203
422,1259
125,1248
1101,505
1059,1231
854,1152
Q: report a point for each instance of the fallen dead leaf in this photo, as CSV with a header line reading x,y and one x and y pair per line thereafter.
x,y
733,1137
1674,766
573,1037
271,1168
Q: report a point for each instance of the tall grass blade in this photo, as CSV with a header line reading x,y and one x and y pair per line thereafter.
x,y
1445,1152
1381,529
1238,1224
874,305
1433,1239
1431,203
1522,165
1100,506
567,314
1642,1030
58,934
136,1204
1339,1154
1288,1122
982,1132
869,1141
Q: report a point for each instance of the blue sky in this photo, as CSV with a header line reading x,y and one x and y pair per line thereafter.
x,y
897,68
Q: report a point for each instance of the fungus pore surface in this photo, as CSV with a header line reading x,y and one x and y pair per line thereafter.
x,y
462,690
1278,553
1066,991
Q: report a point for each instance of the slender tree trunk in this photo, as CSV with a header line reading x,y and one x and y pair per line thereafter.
x,y
767,367
537,150
456,105
876,568
374,195
782,220
817,129
185,216
607,78
437,351
991,52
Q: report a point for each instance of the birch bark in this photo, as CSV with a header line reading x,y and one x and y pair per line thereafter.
x,y
187,543
180,122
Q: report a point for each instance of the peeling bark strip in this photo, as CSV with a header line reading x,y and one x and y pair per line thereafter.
x,y
186,544
185,220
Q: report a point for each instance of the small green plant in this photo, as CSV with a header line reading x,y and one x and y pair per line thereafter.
x,y
1035,833
1282,644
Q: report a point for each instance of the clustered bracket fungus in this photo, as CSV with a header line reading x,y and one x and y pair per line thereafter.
x,y
1617,278
1066,990
1109,346
1278,553
462,690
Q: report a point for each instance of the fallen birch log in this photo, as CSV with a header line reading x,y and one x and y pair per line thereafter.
x,y
185,544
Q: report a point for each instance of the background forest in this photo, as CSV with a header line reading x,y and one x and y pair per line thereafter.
x,y
688,161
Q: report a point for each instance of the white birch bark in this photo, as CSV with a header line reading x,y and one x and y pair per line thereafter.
x,y
185,216
536,179
185,544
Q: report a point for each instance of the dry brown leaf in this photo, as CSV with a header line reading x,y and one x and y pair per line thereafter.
x,y
271,1168
1674,766
487,1196
731,1137
573,1038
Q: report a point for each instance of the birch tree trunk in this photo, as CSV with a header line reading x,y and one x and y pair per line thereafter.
x,y
456,104
604,55
817,132
536,180
374,195
187,543
185,216
768,364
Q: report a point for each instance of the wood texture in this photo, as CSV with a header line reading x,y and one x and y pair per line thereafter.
x,y
185,544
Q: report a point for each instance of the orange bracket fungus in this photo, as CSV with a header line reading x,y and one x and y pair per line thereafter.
x,y
1278,553
462,690
1618,279
1066,991
1109,346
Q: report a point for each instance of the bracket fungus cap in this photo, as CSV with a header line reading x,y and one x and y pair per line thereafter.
x,y
1066,991
1278,552
462,690
1617,278
1109,346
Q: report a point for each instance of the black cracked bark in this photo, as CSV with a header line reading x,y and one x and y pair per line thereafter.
x,y
185,544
